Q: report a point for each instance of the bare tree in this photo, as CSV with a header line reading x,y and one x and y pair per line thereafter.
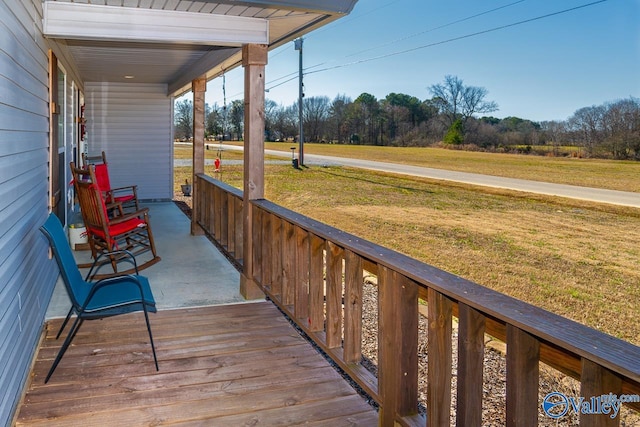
x,y
183,119
270,119
337,118
554,131
588,124
456,101
315,115
213,120
237,118
622,128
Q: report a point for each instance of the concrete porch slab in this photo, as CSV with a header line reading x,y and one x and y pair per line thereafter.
x,y
192,271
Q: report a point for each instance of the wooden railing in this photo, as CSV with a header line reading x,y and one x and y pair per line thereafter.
x,y
315,273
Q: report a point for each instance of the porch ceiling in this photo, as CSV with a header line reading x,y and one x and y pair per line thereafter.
x,y
169,58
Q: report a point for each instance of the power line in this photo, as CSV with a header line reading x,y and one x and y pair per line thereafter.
x,y
437,28
466,36
293,76
341,21
389,43
350,18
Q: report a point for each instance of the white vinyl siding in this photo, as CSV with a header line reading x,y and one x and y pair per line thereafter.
x,y
132,124
27,276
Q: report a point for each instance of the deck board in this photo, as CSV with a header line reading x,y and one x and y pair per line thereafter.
x,y
241,364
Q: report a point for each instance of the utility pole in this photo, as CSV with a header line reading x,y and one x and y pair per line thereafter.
x,y
298,46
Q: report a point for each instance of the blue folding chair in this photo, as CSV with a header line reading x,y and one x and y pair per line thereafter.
x,y
95,300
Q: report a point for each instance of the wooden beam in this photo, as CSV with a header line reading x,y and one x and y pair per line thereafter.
x,y
198,87
254,59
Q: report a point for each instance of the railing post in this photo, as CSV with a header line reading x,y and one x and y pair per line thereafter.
x,y
398,346
198,87
254,59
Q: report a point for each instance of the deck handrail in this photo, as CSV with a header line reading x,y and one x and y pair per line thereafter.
x,y
313,272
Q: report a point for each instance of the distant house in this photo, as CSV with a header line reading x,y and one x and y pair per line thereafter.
x,y
78,77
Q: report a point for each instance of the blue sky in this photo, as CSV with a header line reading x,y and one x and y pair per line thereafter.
x,y
544,69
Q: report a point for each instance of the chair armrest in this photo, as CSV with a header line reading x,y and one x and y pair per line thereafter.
x,y
142,212
122,253
110,281
132,188
113,206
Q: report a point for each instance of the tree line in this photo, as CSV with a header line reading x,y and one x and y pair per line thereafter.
x,y
449,118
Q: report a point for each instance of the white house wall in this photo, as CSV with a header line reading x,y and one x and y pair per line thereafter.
x,y
132,124
27,276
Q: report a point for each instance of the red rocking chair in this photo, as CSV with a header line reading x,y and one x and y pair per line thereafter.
x,y
126,196
118,231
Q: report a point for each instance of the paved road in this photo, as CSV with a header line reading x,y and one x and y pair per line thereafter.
x,y
623,198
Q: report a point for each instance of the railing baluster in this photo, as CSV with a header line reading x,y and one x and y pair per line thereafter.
x,y
276,257
335,255
523,367
316,284
266,248
217,213
288,262
239,228
224,218
470,362
231,222
439,348
257,242
398,346
301,308
595,382
353,283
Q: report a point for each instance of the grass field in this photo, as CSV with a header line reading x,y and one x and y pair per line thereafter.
x,y
614,175
580,260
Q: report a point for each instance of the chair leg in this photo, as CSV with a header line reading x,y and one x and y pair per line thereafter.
x,y
65,345
153,348
66,320
152,244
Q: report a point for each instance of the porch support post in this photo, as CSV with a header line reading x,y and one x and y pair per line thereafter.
x,y
198,87
254,59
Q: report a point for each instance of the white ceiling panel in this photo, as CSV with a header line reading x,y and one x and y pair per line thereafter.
x,y
105,58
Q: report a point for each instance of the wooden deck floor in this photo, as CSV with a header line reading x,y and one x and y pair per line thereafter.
x,y
231,365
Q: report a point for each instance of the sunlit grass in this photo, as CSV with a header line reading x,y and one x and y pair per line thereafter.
x,y
610,174
577,259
